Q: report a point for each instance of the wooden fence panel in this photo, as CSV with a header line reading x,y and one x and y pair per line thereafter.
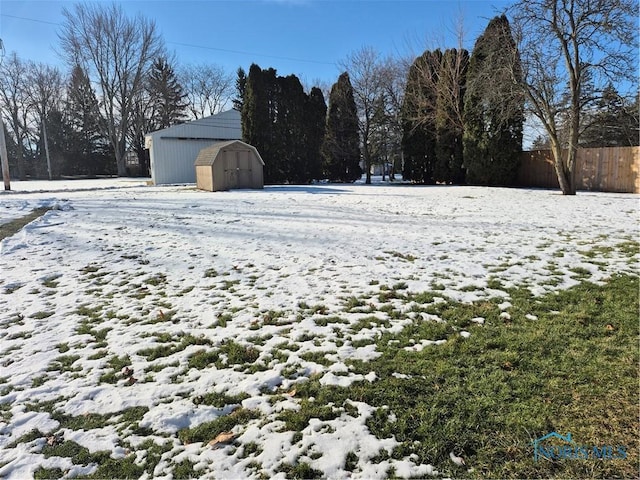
x,y
608,169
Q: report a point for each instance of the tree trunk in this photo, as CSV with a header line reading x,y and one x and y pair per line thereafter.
x,y
565,170
22,174
571,170
120,153
367,165
121,164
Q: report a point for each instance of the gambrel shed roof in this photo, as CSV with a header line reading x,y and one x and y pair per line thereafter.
x,y
208,155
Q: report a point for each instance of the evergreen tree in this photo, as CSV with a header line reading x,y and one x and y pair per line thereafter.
x,y
314,130
449,106
419,118
59,135
281,121
493,111
613,124
89,150
341,147
258,120
289,128
241,83
166,95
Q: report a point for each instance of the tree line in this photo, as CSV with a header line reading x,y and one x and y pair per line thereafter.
x,y
121,83
444,116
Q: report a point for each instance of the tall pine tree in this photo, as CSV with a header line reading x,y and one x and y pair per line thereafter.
x,y
341,147
258,119
241,83
493,109
449,125
283,123
166,95
314,130
90,152
614,123
288,128
419,118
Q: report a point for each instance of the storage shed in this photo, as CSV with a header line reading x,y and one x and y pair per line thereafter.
x,y
173,150
229,165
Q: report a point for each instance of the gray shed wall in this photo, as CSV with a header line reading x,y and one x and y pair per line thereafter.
x,y
173,150
172,160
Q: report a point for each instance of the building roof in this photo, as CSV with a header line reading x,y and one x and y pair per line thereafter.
x,y
208,155
221,126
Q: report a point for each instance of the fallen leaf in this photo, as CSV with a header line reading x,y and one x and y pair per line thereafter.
x,y
292,393
54,440
610,327
455,459
223,437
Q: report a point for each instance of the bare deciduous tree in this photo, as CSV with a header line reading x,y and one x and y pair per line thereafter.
x,y
46,86
116,52
208,88
453,71
364,67
393,78
570,50
14,96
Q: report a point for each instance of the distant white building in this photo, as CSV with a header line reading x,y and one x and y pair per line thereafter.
x,y
173,150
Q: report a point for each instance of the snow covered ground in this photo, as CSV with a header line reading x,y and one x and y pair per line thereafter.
x,y
156,278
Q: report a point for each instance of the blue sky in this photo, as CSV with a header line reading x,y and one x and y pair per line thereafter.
x,y
303,37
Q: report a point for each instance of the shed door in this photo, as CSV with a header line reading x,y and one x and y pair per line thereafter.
x,y
244,169
230,170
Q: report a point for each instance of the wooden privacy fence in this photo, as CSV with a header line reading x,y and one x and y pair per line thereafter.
x,y
607,169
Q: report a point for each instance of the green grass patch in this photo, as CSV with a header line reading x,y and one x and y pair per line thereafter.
x,y
78,454
402,256
301,471
629,248
219,400
176,344
317,357
14,226
128,417
209,430
47,473
327,320
64,363
115,364
297,420
184,470
203,359
156,280
487,397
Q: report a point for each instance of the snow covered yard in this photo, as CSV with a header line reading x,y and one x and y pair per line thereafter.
x,y
140,323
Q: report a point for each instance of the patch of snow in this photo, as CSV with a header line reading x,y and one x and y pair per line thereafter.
x,y
505,305
172,268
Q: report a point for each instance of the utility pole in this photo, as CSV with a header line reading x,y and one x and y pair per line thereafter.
x,y
4,158
46,148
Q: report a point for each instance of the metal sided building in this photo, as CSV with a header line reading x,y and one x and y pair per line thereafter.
x,y
173,150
